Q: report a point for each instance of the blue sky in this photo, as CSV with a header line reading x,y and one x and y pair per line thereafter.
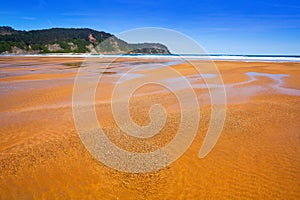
x,y
231,27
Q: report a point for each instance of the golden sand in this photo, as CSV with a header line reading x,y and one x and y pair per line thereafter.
x,y
42,156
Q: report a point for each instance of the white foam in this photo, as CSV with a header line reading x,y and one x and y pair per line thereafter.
x,y
244,58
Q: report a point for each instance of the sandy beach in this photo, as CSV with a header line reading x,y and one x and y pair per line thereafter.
x,y
42,156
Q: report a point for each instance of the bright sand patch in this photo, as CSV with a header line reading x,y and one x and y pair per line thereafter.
x,y
41,155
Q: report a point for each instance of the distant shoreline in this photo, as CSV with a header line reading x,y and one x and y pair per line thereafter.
x,y
214,57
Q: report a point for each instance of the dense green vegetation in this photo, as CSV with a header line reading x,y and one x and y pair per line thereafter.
x,y
38,40
69,40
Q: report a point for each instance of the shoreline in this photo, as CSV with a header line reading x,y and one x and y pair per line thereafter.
x,y
188,57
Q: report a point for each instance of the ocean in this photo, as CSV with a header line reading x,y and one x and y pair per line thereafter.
x,y
219,57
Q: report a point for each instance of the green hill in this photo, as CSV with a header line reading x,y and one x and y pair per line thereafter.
x,y
70,40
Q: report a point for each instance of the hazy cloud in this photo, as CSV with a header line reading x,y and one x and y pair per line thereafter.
x,y
29,18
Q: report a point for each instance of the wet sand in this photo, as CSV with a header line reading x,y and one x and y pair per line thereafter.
x,y
42,156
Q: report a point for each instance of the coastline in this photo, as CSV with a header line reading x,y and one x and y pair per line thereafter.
x,y
213,57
